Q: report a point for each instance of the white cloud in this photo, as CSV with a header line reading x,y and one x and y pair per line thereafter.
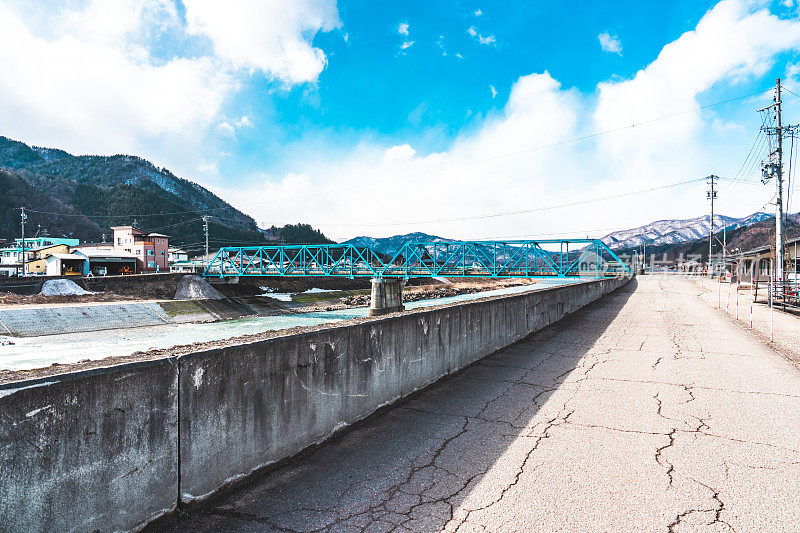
x,y
208,167
610,43
270,36
99,92
406,44
507,162
478,12
482,39
493,91
93,76
402,29
229,127
441,45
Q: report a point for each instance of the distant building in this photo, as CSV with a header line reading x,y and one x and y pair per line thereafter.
x,y
102,262
60,264
36,251
149,249
37,258
271,234
191,266
756,262
176,254
196,265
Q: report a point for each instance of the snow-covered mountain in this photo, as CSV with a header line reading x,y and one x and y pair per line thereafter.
x,y
677,231
391,245
655,233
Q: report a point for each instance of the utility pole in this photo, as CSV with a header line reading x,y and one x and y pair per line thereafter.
x,y
779,251
774,169
23,216
205,230
711,194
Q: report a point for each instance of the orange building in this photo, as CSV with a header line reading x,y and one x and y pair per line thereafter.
x,y
150,249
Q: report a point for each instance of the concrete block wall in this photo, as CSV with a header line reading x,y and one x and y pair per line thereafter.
x,y
111,449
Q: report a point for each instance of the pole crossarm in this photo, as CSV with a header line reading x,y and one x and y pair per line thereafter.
x,y
452,259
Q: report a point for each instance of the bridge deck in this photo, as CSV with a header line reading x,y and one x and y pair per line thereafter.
x,y
647,409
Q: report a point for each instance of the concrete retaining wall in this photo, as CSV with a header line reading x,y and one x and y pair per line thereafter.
x,y
98,449
94,450
248,406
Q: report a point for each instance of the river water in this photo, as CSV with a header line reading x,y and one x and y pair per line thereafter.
x,y
37,352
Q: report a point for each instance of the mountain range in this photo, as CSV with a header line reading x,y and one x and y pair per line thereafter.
x,y
661,236
663,232
83,196
391,245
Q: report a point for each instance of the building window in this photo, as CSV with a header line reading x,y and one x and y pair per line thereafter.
x,y
162,252
151,264
138,252
150,252
119,240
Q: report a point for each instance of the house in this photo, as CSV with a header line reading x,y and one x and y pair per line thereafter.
x,y
756,262
11,256
101,262
37,258
176,254
196,265
191,266
149,249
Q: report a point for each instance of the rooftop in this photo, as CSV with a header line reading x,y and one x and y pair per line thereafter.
x,y
93,252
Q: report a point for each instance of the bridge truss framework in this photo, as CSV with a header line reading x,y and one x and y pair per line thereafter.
x,y
452,259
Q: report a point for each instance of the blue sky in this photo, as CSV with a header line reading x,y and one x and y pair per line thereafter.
x,y
441,85
387,117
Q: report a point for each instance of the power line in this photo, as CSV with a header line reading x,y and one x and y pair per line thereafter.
x,y
788,91
140,215
373,183
521,211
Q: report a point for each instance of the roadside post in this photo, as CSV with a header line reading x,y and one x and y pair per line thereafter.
x,y
771,306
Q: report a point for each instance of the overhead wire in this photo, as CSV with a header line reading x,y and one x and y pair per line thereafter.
x,y
375,182
522,211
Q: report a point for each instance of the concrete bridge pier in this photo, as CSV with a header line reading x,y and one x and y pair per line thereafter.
x,y
387,296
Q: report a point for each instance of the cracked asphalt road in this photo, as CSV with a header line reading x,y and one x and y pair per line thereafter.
x,y
646,411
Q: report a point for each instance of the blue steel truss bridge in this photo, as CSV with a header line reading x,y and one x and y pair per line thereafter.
x,y
452,259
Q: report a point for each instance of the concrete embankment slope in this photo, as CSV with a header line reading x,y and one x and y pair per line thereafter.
x,y
33,321
111,449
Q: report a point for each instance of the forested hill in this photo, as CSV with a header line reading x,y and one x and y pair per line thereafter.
x,y
82,196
